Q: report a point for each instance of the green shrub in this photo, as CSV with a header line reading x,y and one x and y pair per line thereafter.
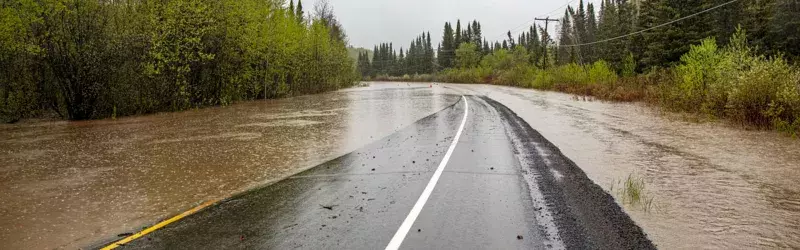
x,y
755,99
629,66
699,68
601,72
543,80
521,75
570,74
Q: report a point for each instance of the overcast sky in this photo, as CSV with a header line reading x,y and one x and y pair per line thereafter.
x,y
369,22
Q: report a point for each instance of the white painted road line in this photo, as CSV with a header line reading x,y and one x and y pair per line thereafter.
x,y
398,238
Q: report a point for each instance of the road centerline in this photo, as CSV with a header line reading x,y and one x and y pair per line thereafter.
x,y
401,233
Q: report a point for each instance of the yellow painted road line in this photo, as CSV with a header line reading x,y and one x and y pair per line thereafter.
x,y
159,225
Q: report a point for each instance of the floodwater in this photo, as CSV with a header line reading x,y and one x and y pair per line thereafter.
x,y
72,184
713,186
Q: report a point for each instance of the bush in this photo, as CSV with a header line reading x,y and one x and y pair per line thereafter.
x,y
520,75
601,72
466,75
699,68
754,98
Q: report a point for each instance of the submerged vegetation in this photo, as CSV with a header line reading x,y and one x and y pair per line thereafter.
x,y
631,191
737,61
86,59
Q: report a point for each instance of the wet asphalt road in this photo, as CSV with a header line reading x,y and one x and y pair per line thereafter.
x,y
504,187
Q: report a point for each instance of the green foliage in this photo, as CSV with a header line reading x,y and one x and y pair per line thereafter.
x,y
735,83
629,66
467,55
466,75
600,72
700,69
89,59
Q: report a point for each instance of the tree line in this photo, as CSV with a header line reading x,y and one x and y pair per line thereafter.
x,y
417,59
86,59
717,58
773,29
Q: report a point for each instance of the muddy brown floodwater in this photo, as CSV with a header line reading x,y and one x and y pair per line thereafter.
x,y
71,184
713,186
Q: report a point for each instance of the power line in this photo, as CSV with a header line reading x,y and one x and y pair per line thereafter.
x,y
651,28
534,19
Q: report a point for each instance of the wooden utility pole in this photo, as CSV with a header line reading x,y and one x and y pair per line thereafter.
x,y
546,38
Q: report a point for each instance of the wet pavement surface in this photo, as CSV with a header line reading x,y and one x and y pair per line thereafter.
x,y
71,184
79,184
713,185
498,191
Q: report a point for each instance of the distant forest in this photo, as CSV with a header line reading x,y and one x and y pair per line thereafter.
x,y
773,28
732,59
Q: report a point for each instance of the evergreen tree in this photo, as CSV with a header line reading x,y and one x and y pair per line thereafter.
x,y
429,54
448,47
565,54
468,34
511,42
579,33
476,32
784,30
300,12
756,20
458,34
665,45
401,63
591,34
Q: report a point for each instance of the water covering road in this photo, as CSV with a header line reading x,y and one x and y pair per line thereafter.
x,y
500,186
714,186
69,184
72,184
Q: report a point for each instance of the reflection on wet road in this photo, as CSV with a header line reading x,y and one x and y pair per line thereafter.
x,y
72,184
713,186
69,184
495,192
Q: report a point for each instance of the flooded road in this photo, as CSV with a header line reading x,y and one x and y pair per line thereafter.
x,y
70,184
713,186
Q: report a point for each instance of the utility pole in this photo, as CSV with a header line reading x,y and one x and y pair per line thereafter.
x,y
546,38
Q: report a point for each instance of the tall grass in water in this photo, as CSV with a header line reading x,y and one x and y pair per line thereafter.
x,y
632,192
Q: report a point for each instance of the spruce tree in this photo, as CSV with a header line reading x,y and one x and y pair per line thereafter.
x,y
457,35
784,30
565,38
579,31
476,32
448,49
428,54
300,12
591,33
401,63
